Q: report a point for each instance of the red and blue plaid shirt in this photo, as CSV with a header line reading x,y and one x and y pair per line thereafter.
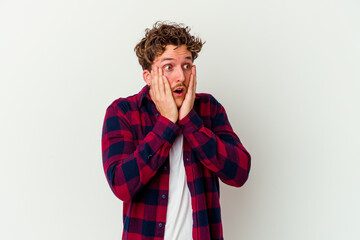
x,y
136,141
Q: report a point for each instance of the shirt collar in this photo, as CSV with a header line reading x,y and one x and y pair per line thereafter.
x,y
144,94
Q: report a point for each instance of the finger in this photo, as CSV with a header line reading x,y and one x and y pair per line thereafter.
x,y
152,96
167,86
192,81
195,79
161,82
154,82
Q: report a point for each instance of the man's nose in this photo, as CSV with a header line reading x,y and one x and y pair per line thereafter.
x,y
180,75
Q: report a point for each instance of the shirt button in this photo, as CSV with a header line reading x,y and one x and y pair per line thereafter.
x,y
156,114
165,168
163,196
187,159
160,225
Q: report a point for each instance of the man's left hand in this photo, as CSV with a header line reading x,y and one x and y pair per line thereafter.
x,y
189,100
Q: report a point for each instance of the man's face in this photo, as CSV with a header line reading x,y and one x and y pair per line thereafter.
x,y
176,65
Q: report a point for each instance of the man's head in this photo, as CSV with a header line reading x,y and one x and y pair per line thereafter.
x,y
161,35
169,46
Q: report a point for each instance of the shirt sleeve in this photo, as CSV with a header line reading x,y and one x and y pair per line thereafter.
x,y
219,148
127,166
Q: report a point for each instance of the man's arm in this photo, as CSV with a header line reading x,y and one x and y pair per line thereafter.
x,y
219,148
129,167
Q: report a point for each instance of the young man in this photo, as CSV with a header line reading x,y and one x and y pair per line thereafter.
x,y
165,148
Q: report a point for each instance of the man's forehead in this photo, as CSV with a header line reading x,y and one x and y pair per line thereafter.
x,y
173,52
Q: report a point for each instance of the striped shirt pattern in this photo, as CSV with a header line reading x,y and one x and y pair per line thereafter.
x,y
136,141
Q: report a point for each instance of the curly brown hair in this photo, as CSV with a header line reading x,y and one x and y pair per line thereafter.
x,y
162,34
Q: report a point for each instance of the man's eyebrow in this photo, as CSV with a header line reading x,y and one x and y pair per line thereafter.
x,y
170,59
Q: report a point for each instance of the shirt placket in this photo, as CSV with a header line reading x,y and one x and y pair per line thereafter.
x,y
190,176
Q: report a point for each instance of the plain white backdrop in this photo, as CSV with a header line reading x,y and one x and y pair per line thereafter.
x,y
287,72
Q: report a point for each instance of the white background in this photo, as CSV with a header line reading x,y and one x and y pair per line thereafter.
x,y
287,72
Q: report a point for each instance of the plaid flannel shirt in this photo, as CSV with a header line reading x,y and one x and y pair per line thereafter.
x,y
136,141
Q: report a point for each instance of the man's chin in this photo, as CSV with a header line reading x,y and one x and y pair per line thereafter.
x,y
179,104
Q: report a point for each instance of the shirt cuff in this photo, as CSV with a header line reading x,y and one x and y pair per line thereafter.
x,y
190,123
166,129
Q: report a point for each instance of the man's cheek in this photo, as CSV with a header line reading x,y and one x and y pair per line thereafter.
x,y
169,78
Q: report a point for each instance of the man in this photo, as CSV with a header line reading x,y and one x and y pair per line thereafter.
x,y
165,148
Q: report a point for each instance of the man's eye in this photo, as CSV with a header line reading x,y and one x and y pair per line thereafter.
x,y
168,67
187,66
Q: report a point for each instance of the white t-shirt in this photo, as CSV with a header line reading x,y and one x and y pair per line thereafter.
x,y
179,211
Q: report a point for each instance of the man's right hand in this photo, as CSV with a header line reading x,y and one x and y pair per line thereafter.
x,y
161,94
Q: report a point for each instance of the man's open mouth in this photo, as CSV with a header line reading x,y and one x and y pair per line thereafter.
x,y
179,91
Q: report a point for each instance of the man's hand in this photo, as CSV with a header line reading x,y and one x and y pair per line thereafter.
x,y
189,100
161,94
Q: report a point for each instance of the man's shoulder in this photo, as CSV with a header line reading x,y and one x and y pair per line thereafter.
x,y
206,98
125,104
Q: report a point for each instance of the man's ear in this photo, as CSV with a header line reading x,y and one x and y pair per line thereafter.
x,y
147,76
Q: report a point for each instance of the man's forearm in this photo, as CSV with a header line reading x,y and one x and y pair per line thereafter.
x,y
124,162
220,149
